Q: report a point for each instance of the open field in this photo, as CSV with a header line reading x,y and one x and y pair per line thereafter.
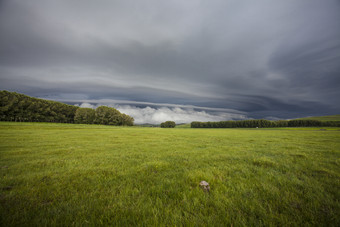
x,y
64,174
323,118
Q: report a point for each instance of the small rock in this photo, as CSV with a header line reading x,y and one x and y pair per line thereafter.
x,y
205,186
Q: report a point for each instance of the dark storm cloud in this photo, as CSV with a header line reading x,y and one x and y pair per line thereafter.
x,y
267,58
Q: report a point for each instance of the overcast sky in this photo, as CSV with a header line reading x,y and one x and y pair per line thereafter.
x,y
177,60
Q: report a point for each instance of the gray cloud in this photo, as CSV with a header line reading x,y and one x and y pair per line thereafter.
x,y
179,115
269,58
155,114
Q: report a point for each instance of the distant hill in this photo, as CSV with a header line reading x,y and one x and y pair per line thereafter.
x,y
183,126
323,118
147,125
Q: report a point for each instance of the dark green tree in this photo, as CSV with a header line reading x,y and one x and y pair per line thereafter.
x,y
126,120
84,116
108,116
168,124
19,107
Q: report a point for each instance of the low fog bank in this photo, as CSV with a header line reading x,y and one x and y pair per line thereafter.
x,y
157,115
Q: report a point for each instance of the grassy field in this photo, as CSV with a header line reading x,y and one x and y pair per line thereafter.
x,y
323,118
75,175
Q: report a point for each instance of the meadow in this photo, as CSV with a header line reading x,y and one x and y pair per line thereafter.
x,y
93,175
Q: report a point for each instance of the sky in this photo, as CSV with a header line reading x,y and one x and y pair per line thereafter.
x,y
159,60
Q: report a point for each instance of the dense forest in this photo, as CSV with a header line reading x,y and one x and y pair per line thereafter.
x,y
265,124
23,108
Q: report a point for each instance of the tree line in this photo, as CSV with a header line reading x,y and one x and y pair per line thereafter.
x,y
102,115
265,124
23,108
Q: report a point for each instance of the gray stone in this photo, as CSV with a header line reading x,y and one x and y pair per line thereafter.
x,y
205,186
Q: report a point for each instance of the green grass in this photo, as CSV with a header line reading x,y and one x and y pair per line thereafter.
x,y
323,118
75,175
